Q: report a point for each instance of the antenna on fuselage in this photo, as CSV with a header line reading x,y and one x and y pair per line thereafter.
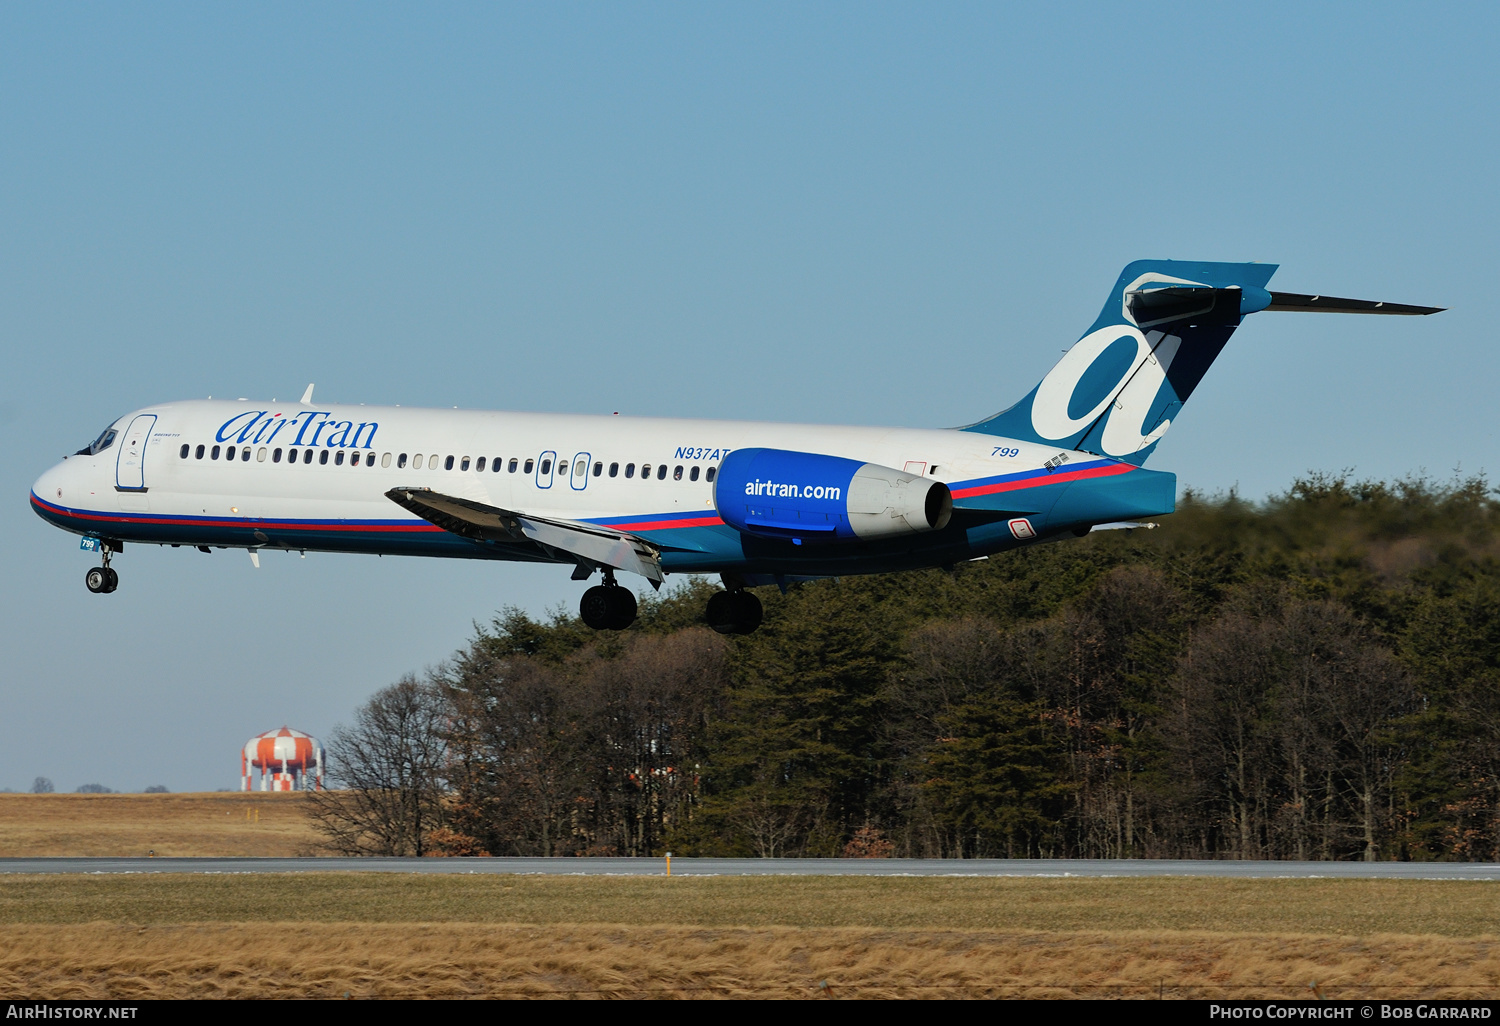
x,y
306,399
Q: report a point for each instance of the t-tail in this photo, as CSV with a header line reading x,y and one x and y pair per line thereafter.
x,y
1119,388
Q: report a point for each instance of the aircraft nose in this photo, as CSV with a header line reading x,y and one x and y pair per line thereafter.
x,y
53,485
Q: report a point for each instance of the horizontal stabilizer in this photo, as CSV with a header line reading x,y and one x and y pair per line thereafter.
x,y
563,540
1332,304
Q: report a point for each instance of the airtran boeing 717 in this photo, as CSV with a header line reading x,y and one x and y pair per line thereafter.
x,y
753,503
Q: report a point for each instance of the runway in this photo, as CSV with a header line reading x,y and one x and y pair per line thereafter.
x,y
773,867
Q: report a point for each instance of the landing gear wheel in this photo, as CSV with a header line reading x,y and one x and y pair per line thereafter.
x,y
734,612
595,608
112,580
607,607
97,580
623,609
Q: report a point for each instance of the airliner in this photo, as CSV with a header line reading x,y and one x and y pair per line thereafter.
x,y
755,503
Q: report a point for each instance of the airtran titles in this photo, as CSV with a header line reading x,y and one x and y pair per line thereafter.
x,y
307,427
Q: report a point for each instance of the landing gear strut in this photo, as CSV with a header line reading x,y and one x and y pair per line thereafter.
x,y
608,607
101,580
734,612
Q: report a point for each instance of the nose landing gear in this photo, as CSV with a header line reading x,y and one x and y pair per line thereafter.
x,y
734,612
608,607
101,580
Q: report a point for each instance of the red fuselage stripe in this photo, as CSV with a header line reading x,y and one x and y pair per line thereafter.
x,y
1056,477
662,525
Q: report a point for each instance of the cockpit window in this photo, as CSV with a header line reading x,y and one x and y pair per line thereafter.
x,y
104,441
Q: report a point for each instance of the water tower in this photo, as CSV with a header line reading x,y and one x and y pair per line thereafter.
x,y
285,760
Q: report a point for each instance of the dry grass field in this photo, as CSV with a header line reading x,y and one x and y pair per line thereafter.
x,y
102,960
169,824
389,935
395,935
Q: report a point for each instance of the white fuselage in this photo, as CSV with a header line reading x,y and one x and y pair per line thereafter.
x,y
167,476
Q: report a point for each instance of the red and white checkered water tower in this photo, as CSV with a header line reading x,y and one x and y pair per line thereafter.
x,y
284,760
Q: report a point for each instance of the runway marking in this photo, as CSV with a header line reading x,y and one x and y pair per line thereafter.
x,y
1056,868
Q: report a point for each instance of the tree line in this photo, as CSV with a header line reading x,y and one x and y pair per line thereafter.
x,y
1312,677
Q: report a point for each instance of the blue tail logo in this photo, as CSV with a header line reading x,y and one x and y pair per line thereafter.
x,y
1118,389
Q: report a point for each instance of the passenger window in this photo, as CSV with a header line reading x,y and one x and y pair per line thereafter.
x,y
580,469
693,474
385,460
370,459
630,470
529,465
275,455
479,465
307,455
661,472
213,453
198,453
323,457
400,461
677,473
184,452
260,455
512,469
291,455
338,458
416,462
229,453
598,469
448,463
546,467
463,464
711,472
246,454
645,471
354,459
496,464
614,470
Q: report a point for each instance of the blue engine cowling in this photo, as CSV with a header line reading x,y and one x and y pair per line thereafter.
x,y
778,493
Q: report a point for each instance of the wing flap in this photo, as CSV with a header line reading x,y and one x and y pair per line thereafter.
x,y
564,540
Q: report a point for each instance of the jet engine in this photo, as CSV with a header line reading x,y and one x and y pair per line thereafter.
x,y
806,496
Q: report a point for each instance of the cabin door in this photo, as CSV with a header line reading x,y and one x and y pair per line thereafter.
x,y
130,464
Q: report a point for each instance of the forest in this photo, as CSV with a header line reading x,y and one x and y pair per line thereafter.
x,y
1315,676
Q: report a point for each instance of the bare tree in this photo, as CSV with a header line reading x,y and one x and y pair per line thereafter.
x,y
390,763
771,824
42,785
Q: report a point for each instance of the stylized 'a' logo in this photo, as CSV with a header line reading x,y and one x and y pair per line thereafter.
x,y
1117,373
1086,380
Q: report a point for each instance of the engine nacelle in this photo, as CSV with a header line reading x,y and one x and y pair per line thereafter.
x,y
778,493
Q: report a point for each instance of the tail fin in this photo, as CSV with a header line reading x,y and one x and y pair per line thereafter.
x,y
1117,390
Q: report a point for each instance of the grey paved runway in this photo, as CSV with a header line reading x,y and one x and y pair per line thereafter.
x,y
774,867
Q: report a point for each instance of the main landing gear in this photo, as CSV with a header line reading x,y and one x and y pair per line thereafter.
x,y
101,580
734,612
607,607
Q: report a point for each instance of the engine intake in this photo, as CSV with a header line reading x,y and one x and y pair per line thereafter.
x,y
806,496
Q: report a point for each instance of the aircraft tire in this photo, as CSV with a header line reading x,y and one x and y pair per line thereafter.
x,y
748,612
112,580
622,608
596,607
720,612
97,580
734,612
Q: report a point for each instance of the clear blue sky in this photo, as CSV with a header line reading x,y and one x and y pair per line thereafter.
x,y
836,212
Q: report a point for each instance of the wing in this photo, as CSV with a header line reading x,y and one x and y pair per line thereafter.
x,y
570,541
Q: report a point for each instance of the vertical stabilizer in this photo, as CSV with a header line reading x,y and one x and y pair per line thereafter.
x,y
1118,389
